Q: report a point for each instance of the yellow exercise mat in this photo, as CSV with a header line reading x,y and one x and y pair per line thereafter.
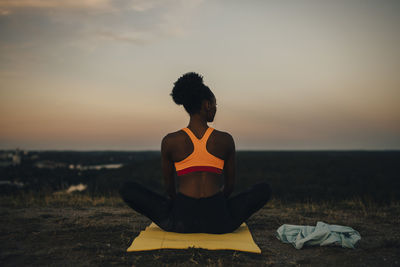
x,y
153,237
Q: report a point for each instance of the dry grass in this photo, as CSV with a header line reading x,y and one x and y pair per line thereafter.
x,y
60,200
360,206
78,229
336,209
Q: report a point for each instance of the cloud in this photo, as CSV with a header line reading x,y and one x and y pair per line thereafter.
x,y
12,5
8,7
37,32
50,7
133,37
89,21
4,12
144,5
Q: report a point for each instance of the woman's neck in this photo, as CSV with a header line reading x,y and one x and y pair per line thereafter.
x,y
197,122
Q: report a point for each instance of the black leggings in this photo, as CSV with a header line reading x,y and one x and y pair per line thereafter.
x,y
215,214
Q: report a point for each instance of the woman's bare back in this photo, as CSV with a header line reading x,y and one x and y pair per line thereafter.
x,y
199,184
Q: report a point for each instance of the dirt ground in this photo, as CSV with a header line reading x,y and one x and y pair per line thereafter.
x,y
99,236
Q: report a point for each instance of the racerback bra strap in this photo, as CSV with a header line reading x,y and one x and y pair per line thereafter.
x,y
197,140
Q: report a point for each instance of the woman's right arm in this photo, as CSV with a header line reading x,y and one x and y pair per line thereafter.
x,y
229,167
168,168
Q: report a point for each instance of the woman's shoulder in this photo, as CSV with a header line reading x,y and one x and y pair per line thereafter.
x,y
174,134
173,137
224,137
223,134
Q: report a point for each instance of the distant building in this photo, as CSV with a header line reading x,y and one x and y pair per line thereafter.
x,y
11,158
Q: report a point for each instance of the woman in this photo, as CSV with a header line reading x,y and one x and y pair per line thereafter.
x,y
204,159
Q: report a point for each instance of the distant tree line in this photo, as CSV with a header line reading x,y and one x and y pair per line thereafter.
x,y
292,175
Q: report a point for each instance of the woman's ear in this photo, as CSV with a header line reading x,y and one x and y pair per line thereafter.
x,y
207,104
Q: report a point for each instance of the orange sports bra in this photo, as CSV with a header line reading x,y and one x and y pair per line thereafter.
x,y
200,159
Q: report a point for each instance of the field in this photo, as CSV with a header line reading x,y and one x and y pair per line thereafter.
x,y
41,225
78,230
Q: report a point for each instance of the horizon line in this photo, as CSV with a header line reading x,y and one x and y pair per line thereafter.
x,y
237,150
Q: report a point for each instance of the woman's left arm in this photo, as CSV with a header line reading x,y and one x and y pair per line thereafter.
x,y
168,168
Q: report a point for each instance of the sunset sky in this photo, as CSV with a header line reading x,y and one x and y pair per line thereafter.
x,y
287,75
